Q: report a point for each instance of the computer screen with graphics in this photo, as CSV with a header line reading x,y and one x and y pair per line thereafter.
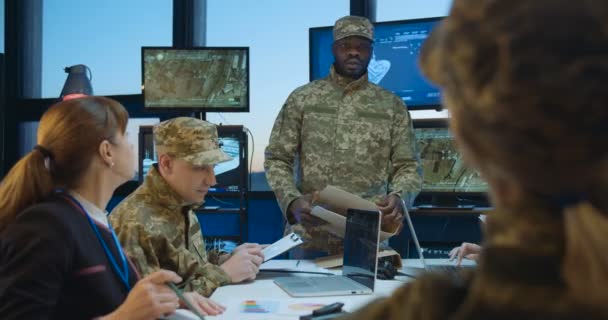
x,y
394,63
361,246
231,175
443,167
198,79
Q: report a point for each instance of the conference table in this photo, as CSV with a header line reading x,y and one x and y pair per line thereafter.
x,y
263,299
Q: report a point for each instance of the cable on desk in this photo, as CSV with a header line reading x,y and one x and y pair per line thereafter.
x,y
399,273
296,271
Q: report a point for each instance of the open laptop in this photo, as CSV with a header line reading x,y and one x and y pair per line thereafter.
x,y
450,269
360,262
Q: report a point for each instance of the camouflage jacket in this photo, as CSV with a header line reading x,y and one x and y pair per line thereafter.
x,y
159,231
350,134
520,275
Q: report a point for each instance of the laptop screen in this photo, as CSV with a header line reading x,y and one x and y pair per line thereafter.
x,y
361,246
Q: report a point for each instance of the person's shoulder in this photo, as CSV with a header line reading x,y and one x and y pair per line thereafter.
x,y
435,294
383,93
134,209
52,209
313,87
51,215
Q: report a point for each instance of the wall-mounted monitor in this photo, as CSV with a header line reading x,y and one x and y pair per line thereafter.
x,y
207,79
394,63
231,175
446,178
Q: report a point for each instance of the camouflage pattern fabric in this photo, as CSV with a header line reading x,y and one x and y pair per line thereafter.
x,y
516,79
190,139
347,133
353,26
159,231
519,276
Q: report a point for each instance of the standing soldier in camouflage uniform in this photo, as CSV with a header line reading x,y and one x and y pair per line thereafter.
x,y
156,225
346,132
525,83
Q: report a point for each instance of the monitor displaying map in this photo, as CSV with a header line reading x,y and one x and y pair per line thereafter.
x,y
208,79
443,167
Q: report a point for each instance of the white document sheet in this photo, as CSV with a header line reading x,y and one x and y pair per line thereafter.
x,y
289,241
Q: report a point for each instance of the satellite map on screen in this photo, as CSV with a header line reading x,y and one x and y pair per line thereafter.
x,y
195,78
442,165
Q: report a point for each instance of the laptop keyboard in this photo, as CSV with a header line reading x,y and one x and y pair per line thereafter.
x,y
452,271
330,283
444,268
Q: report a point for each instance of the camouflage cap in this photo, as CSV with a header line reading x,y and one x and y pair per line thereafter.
x,y
353,26
189,139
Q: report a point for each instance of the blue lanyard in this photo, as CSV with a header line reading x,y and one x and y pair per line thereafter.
x,y
122,274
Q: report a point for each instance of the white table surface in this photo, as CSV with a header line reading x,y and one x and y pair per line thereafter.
x,y
263,289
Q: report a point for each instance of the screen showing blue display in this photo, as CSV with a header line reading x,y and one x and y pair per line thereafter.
x,y
394,64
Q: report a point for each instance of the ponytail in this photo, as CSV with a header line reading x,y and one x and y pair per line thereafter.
x,y
68,138
27,183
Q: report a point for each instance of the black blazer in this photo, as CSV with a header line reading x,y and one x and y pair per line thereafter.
x,y
52,266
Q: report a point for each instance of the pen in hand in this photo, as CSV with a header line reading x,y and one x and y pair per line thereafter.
x,y
181,297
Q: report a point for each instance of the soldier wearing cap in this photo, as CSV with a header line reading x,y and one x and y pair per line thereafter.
x,y
346,132
156,225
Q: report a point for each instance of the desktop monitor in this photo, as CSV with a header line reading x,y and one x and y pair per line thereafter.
x,y
445,174
231,176
147,152
133,127
207,79
394,63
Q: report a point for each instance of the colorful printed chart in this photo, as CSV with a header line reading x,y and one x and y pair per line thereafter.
x,y
259,306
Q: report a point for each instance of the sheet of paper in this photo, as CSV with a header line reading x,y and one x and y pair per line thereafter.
x,y
339,201
337,223
289,241
181,314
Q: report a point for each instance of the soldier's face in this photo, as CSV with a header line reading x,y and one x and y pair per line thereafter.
x,y
352,55
191,182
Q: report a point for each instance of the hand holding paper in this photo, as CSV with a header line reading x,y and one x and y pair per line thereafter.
x,y
339,201
392,210
289,241
337,223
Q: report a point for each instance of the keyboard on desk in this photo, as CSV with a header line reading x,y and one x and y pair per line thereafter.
x,y
452,271
435,207
331,282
